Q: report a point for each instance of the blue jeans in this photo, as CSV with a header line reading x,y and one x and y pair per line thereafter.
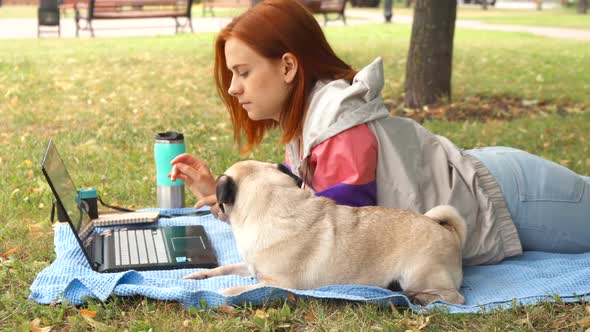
x,y
549,204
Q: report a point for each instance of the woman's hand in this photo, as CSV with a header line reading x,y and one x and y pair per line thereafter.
x,y
211,200
195,174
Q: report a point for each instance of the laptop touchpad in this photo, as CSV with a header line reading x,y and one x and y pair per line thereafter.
x,y
192,244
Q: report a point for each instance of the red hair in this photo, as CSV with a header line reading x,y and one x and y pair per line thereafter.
x,y
272,28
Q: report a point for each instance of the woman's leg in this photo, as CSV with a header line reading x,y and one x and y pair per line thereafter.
x,y
549,204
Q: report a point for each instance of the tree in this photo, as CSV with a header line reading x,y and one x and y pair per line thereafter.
x,y
582,6
430,57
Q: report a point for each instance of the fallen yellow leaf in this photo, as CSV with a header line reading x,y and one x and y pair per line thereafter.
x,y
261,314
10,251
36,227
97,325
226,309
36,235
34,326
309,317
88,313
291,296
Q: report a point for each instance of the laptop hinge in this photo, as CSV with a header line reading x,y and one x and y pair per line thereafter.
x,y
61,214
97,251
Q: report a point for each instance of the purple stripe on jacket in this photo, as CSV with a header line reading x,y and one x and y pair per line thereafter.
x,y
352,195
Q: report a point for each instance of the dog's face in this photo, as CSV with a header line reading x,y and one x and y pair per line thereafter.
x,y
243,173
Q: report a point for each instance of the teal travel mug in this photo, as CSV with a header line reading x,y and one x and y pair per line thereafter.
x,y
170,195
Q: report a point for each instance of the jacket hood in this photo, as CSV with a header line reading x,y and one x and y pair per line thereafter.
x,y
338,105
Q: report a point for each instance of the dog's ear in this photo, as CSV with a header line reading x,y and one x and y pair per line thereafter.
x,y
225,190
287,171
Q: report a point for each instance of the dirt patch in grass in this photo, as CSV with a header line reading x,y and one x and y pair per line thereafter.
x,y
484,108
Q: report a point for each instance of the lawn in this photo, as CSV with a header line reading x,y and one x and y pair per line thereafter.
x,y
18,11
103,100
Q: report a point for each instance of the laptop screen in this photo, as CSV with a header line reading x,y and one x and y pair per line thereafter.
x,y
64,189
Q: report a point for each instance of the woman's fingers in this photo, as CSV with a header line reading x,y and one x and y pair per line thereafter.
x,y
194,172
207,200
216,211
176,174
188,172
212,201
189,160
184,158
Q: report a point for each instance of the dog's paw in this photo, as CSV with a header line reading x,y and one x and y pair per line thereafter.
x,y
197,275
450,296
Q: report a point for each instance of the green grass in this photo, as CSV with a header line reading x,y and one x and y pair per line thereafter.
x,y
16,11
559,17
102,100
218,12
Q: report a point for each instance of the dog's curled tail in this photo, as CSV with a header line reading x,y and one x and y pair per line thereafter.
x,y
446,216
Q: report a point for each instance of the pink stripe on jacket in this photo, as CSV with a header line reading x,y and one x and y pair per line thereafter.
x,y
344,167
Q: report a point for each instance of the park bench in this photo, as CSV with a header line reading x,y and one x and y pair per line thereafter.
x,y
327,7
66,5
208,5
131,9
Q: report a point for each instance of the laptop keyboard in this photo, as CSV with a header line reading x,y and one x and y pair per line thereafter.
x,y
139,246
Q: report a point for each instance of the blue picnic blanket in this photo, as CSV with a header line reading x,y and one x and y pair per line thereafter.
x,y
530,278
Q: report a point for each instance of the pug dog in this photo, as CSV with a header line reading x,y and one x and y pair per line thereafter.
x,y
288,237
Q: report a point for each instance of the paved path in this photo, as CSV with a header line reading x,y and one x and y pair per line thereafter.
x,y
27,28
577,34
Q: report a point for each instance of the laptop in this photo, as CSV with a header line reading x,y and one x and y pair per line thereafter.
x,y
133,246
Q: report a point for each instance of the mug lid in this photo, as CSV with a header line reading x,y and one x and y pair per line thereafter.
x,y
169,136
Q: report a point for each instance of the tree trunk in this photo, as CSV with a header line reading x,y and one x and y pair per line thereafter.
x,y
484,4
582,7
408,3
539,4
430,57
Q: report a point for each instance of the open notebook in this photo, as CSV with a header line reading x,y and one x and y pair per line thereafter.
x,y
124,218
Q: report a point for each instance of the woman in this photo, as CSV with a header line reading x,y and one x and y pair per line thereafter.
x,y
274,67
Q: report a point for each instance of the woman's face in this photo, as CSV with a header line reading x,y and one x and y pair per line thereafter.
x,y
261,85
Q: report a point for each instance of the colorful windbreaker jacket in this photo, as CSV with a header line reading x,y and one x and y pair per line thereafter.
x,y
355,153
